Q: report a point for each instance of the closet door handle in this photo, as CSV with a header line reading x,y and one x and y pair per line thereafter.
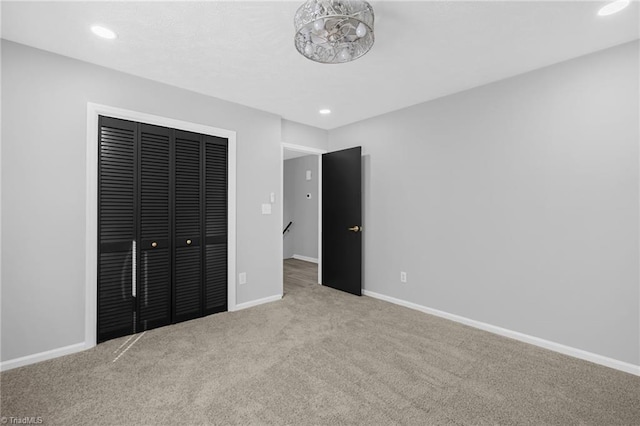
x,y
154,244
134,268
189,242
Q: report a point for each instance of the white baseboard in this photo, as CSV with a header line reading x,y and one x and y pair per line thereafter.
x,y
43,356
257,302
557,347
305,258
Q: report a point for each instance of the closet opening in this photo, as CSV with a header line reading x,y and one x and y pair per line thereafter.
x,y
160,222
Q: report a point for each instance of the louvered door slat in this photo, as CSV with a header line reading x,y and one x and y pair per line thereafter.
x,y
154,287
216,186
115,317
188,288
188,252
116,227
215,280
116,197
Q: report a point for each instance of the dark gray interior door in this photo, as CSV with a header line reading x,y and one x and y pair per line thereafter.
x,y
342,220
154,267
117,214
188,228
215,224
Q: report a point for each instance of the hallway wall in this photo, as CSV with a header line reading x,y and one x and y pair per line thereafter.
x,y
302,237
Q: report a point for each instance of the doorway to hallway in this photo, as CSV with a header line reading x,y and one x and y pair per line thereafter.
x,y
322,213
301,206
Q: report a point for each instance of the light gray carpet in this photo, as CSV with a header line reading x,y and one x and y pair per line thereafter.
x,y
320,356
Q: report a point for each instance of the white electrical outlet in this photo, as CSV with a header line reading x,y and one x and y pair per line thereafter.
x,y
403,277
242,277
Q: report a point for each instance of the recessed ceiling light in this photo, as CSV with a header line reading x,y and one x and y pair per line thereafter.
x,y
613,7
103,32
325,111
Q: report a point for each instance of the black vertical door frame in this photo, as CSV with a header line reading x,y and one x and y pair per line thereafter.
x,y
172,242
137,201
172,220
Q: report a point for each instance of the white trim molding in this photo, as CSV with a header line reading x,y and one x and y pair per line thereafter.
x,y
95,110
553,346
257,302
43,356
302,148
305,258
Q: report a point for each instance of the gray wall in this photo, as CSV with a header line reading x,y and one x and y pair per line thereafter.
x,y
514,204
301,134
302,238
44,105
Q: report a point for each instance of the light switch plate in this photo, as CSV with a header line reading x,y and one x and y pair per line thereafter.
x,y
242,277
272,197
266,209
308,174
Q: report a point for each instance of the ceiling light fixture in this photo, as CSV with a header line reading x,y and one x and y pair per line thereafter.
x,y
103,32
334,31
325,111
613,7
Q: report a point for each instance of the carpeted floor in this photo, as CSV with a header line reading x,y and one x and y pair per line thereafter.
x,y
320,356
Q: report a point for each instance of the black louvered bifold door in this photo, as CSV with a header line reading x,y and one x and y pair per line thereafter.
x,y
215,177
188,226
116,227
162,225
154,278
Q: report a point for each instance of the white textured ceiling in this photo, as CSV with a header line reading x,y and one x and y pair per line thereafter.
x,y
243,51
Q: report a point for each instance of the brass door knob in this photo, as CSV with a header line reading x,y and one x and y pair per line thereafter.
x,y
154,244
355,228
189,242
